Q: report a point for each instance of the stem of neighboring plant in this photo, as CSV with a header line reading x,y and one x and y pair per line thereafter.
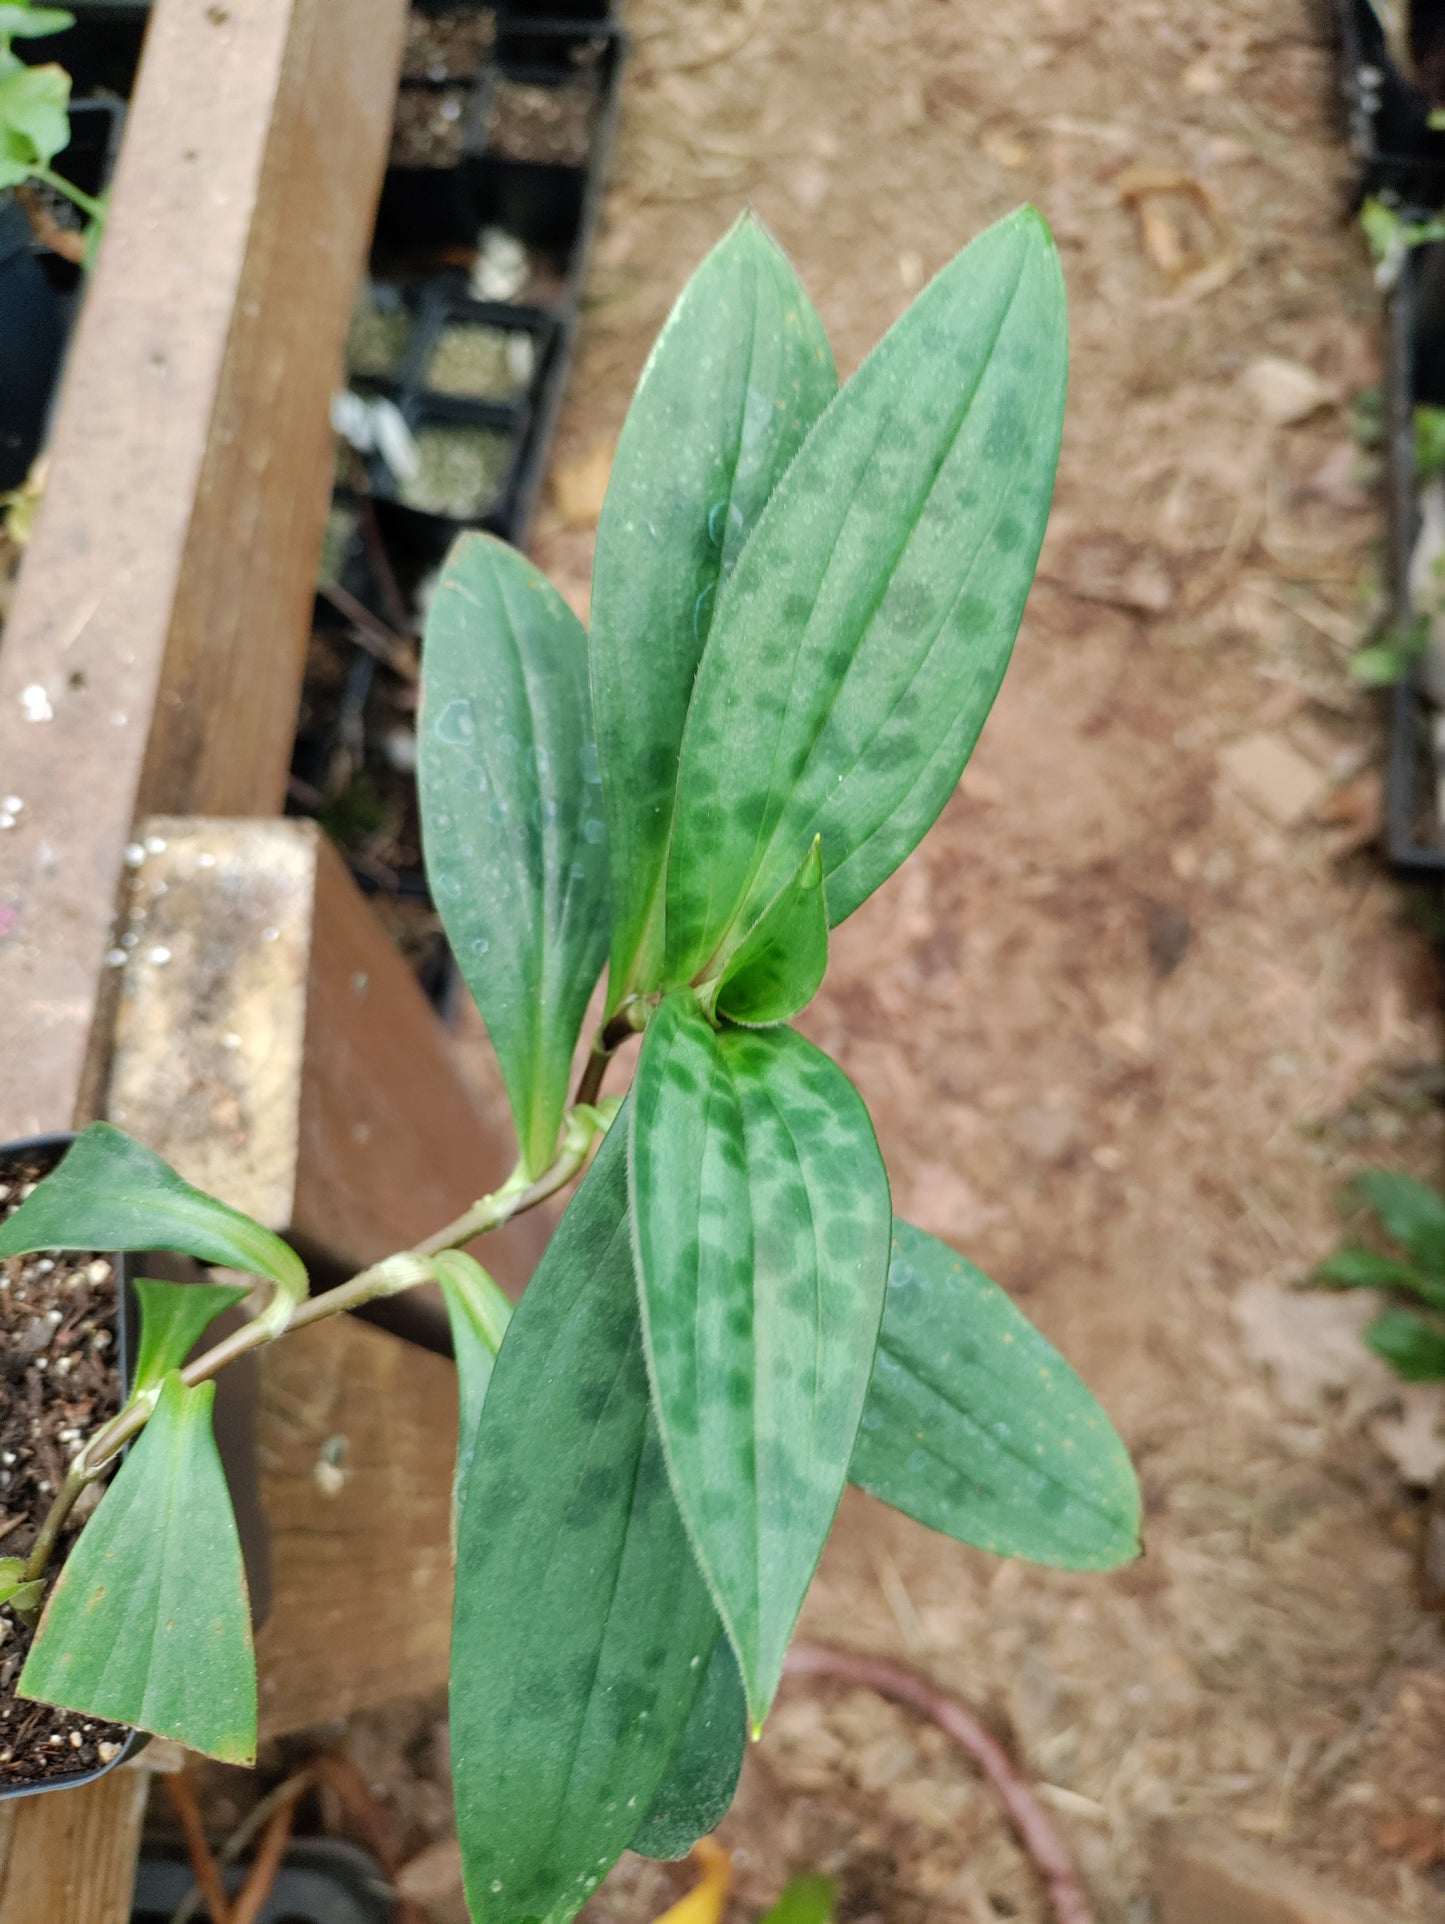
x,y
388,1278
88,205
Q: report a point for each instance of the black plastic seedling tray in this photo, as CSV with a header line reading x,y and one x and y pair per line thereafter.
x,y
1415,369
1396,150
320,1882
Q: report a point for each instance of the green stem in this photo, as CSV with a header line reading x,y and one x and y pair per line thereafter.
x,y
388,1278
88,205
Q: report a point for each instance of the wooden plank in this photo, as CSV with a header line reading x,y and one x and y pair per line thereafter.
x,y
153,654
273,1045
1207,1874
70,1858
356,1444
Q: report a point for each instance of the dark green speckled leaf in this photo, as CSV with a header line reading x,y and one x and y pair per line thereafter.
x,y
978,1427
582,1625
739,374
760,1206
863,635
511,803
779,965
694,1796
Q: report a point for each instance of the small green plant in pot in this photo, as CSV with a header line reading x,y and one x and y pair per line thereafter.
x,y
803,605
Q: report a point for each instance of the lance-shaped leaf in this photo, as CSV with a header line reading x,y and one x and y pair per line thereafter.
x,y
511,803
1353,1268
479,1314
111,1193
148,1622
739,374
694,1796
862,638
777,968
173,1318
582,1625
761,1213
978,1427
31,23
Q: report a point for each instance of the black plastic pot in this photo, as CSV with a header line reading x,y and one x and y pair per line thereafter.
x,y
235,1427
1395,148
32,326
319,1882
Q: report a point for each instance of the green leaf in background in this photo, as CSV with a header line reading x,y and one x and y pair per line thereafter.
x,y
32,23
864,633
511,803
739,374
12,1578
694,1796
777,968
582,1625
479,1314
173,1318
1352,1268
761,1214
34,119
978,1427
1412,1346
807,1900
111,1193
1409,1211
148,1622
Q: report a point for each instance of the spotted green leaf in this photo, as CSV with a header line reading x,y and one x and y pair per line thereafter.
x,y
740,372
978,1427
694,1796
779,965
173,1318
479,1314
148,1622
110,1192
34,119
511,804
582,1627
761,1213
863,635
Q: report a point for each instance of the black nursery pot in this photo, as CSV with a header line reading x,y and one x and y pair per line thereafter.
x,y
1395,148
32,327
235,1435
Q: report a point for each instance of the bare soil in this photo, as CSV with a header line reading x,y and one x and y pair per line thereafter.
x,y
58,1381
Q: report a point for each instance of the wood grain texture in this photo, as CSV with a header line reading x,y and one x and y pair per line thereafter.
x,y
360,1509
154,652
1207,1874
70,1858
281,1055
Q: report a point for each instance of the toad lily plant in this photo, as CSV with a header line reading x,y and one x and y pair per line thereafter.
x,y
804,601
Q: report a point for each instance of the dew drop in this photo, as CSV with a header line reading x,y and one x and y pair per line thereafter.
x,y
591,764
480,945
507,743
702,609
497,813
457,723
594,830
544,763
